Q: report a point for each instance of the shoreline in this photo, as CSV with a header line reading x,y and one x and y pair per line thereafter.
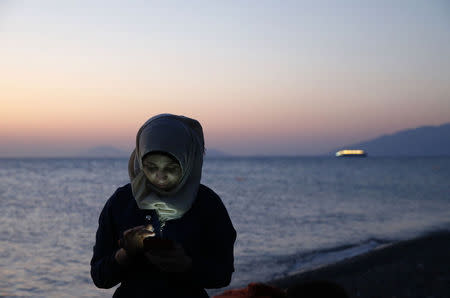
x,y
418,267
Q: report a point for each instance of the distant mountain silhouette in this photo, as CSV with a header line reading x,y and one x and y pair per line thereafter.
x,y
104,151
214,153
421,141
113,152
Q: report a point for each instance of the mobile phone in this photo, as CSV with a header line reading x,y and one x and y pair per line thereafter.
x,y
152,243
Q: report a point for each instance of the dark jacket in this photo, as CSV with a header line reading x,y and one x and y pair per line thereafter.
x,y
205,232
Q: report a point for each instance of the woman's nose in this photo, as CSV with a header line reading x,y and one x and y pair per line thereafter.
x,y
161,175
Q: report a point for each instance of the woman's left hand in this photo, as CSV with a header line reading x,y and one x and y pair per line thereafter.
x,y
170,260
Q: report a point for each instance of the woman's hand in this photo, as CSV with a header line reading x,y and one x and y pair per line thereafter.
x,y
121,257
132,241
171,260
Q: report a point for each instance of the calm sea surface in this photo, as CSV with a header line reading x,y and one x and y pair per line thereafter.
x,y
291,214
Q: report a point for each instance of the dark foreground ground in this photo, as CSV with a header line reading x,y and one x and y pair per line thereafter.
x,y
413,268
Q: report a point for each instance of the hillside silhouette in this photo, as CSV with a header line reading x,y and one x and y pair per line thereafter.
x,y
421,141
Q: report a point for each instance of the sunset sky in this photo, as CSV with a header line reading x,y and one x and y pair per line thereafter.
x,y
263,77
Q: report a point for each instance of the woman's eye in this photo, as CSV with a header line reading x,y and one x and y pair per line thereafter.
x,y
172,169
151,168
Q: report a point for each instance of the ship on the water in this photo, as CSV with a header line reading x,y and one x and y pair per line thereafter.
x,y
351,153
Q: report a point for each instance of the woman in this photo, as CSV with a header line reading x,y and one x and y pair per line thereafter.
x,y
164,200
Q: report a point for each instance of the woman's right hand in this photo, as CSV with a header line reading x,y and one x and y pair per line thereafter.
x,y
133,239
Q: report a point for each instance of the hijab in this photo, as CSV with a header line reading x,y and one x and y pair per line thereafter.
x,y
182,138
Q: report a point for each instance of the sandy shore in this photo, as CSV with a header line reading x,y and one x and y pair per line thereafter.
x,y
413,268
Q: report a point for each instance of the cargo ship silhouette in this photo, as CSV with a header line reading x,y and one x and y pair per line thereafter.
x,y
351,153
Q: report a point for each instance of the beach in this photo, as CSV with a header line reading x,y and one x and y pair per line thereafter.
x,y
414,268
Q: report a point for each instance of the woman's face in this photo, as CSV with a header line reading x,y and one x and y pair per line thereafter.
x,y
161,170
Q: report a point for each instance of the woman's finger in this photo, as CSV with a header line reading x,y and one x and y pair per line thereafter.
x,y
149,228
133,229
147,234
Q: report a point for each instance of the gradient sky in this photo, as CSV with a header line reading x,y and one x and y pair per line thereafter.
x,y
263,77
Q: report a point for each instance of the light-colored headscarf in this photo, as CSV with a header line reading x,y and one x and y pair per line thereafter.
x,y
182,138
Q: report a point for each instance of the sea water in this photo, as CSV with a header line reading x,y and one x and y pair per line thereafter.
x,y
290,213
